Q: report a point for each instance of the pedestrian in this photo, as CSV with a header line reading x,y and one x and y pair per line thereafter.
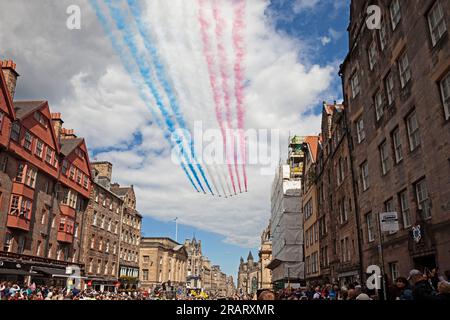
x,y
421,288
402,290
443,291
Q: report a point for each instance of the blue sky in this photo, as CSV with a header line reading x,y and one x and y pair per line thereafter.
x,y
326,20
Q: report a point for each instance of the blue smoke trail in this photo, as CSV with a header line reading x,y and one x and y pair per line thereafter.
x,y
129,68
146,74
161,74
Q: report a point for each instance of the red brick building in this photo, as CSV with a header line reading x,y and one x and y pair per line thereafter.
x,y
45,180
397,96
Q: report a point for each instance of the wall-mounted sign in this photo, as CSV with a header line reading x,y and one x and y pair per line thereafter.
x,y
389,222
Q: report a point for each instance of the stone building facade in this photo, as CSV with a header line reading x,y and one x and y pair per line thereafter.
x,y
265,257
162,261
248,275
101,231
310,209
397,96
130,235
195,263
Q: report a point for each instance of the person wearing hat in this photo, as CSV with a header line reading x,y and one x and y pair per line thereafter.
x,y
421,288
363,296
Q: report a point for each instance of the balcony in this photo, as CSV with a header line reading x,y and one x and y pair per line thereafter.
x,y
18,222
65,237
67,211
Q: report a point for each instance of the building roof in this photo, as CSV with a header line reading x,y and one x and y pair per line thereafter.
x,y
250,256
120,191
24,108
69,145
313,143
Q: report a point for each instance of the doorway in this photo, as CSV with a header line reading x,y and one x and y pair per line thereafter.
x,y
425,263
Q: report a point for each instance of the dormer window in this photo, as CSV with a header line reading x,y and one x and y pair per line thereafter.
x,y
39,117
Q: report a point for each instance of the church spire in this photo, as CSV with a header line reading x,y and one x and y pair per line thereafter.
x,y
250,256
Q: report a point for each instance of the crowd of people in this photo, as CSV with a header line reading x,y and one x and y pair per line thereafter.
x,y
418,286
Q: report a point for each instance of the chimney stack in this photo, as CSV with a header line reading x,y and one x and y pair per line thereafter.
x,y
67,133
9,71
57,123
104,169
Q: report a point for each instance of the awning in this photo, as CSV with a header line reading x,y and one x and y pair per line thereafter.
x,y
14,272
51,271
348,274
273,264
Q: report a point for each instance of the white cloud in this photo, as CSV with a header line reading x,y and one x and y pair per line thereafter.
x,y
300,5
325,40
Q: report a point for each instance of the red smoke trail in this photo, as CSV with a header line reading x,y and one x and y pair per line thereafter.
x,y
223,63
238,40
204,26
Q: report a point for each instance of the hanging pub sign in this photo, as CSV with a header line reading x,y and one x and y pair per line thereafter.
x,y
416,233
389,222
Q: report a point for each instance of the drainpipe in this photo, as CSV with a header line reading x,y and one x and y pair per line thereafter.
x,y
354,186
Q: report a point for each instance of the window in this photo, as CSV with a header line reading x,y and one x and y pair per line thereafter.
x,y
423,202
27,143
21,244
109,224
413,131
20,173
30,177
93,241
404,206
114,248
20,206
39,148
340,171
40,118
308,209
102,225
405,71
78,176
396,15
113,268
393,268
85,182
43,216
383,35
38,248
107,247
70,198
360,130
116,228
94,219
378,103
445,90
49,155
64,167
72,172
15,131
145,275
75,234
7,246
343,213
384,157
389,83
436,22
99,266
389,205
370,227
355,84
100,244
364,169
397,144
2,116
372,55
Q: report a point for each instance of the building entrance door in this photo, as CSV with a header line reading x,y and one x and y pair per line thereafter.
x,y
425,263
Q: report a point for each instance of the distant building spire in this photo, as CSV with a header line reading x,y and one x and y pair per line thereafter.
x,y
250,256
